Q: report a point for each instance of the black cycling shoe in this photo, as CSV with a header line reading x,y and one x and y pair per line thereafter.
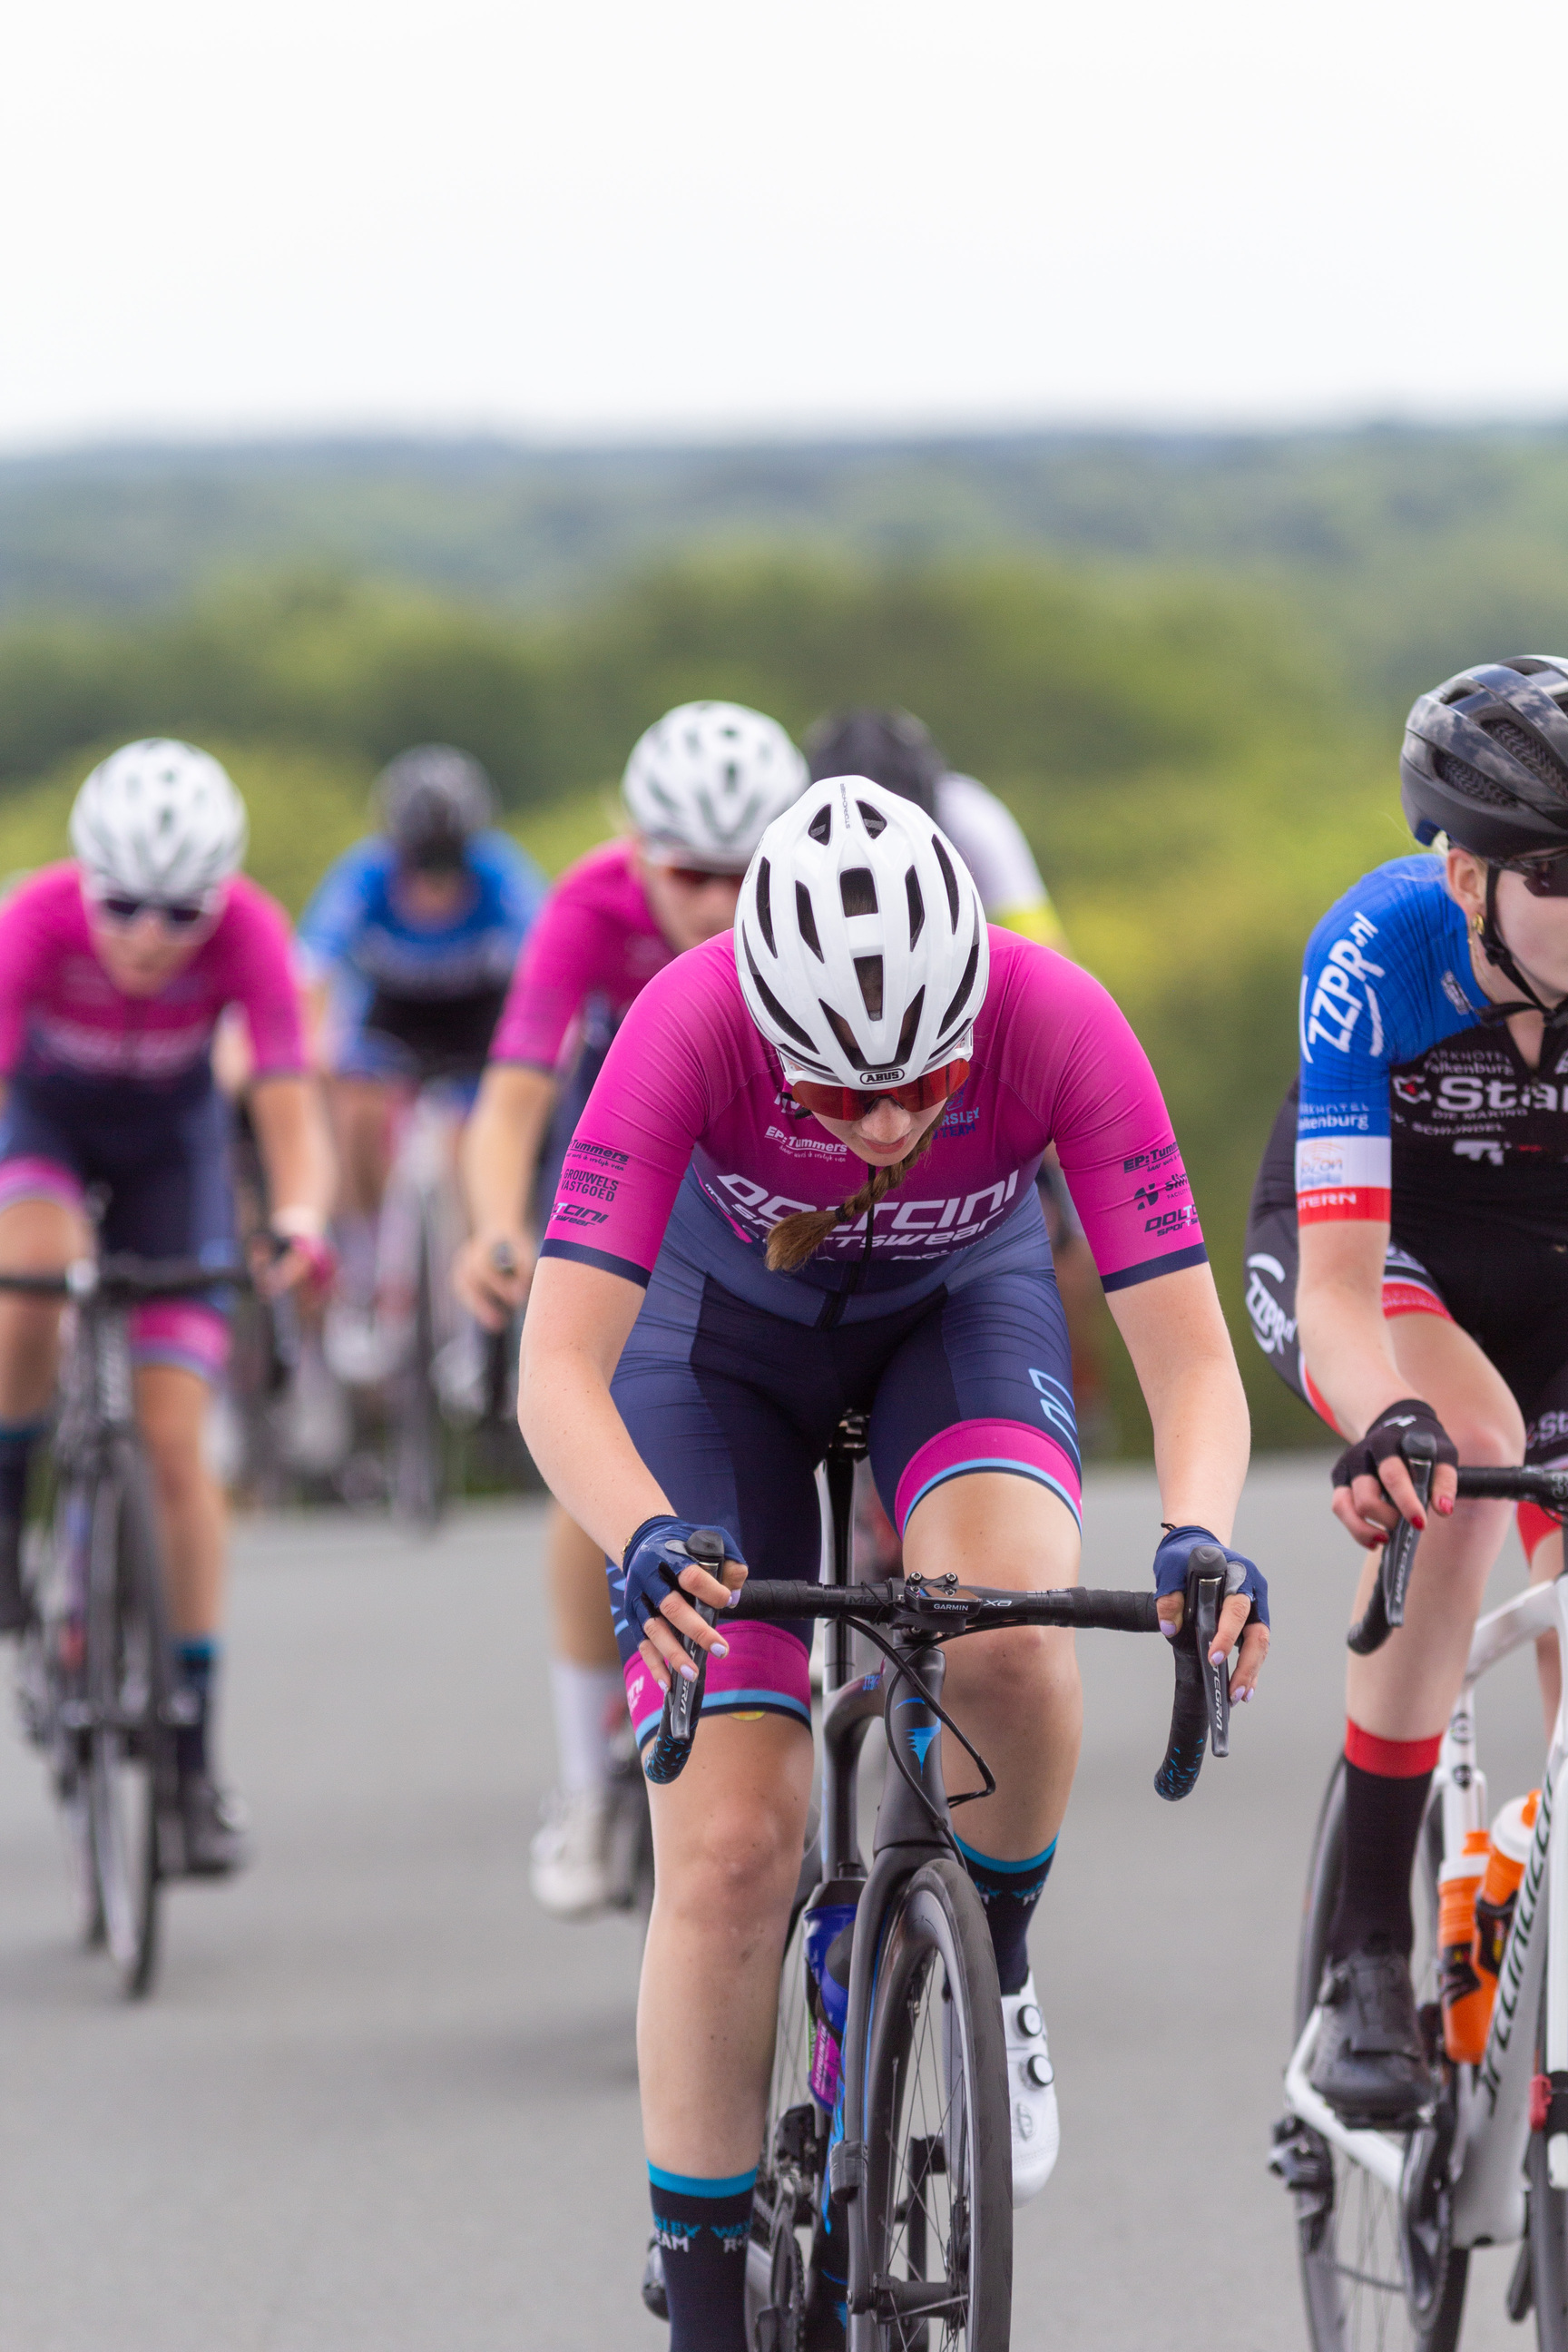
x,y
14,1610
655,2298
1371,2062
216,1824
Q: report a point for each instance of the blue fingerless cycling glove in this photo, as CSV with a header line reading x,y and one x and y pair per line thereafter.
x,y
650,1570
1170,1562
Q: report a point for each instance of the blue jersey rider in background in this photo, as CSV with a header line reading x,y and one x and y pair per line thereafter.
x,y
408,945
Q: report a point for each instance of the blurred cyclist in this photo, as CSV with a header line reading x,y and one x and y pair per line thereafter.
x,y
700,787
114,968
408,944
895,751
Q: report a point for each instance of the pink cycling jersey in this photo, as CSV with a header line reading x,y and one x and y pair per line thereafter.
x,y
62,1016
594,936
690,1079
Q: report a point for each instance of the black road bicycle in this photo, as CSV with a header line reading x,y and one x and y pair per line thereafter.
x,y
95,1672
906,2173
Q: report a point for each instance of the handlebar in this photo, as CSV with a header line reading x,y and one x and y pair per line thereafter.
x,y
1200,1713
1504,1483
125,1280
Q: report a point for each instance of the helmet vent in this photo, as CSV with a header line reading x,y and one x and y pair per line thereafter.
x,y
950,878
911,1022
845,1037
872,819
776,1009
1530,753
960,994
858,889
917,904
764,907
808,921
1469,783
821,826
869,973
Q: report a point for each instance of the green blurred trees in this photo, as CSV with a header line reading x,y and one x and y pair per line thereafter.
x,y
1197,790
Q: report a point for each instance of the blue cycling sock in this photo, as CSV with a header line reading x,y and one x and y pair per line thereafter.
x,y
702,2227
197,1661
1009,1891
16,1442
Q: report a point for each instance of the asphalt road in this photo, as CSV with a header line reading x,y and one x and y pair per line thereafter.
x,y
379,2102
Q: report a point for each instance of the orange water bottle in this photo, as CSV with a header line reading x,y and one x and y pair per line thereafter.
x,y
1507,1851
1466,2005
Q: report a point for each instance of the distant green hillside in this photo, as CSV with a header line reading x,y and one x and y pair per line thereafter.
x,y
1176,750
1408,551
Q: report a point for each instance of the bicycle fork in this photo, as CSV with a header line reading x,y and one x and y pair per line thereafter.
x,y
906,1836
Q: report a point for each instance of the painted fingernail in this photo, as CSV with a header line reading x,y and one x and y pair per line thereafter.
x,y
1446,1505
1168,1630
686,1669
731,1601
1216,1657
720,1649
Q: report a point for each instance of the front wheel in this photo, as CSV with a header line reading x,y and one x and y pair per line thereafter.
x,y
1548,2224
1373,2274
130,1767
939,2166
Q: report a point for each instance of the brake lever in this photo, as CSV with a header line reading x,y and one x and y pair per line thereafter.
x,y
1207,1582
671,1746
1385,1609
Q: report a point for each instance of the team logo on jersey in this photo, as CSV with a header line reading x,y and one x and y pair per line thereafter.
x,y
1149,1158
1343,993
577,1213
1274,1330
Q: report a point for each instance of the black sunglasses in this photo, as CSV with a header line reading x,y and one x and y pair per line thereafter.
x,y
1544,877
179,914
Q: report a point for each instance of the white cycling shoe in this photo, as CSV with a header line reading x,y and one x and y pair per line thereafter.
x,y
569,1860
1031,2093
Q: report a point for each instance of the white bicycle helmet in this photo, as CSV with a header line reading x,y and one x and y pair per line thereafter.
x,y
860,939
158,820
706,779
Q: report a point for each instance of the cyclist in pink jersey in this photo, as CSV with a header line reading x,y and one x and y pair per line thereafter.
x,y
114,971
699,788
718,1285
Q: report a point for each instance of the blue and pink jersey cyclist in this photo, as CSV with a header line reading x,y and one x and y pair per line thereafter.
x,y
804,1183
1408,1267
692,1150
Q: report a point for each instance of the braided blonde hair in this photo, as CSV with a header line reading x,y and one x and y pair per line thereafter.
x,y
794,1239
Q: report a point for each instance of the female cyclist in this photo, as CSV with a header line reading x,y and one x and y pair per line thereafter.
x,y
700,786
114,968
1407,1262
805,1183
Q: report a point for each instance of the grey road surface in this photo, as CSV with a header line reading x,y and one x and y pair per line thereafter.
x,y
379,2105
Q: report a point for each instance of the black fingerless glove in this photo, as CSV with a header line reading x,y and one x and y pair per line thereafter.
x,y
1386,1436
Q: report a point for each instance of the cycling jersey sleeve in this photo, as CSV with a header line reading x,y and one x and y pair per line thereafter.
x,y
652,1100
331,926
1068,1048
256,973
23,939
1382,979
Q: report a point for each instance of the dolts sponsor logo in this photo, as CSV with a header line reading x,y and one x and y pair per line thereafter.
x,y
1173,1221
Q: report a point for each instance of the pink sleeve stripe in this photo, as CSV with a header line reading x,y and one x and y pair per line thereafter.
x,y
972,1445
1148,1267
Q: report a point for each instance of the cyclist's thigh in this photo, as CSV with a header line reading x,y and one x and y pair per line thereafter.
x,y
702,1386
177,1200
42,1223
981,1390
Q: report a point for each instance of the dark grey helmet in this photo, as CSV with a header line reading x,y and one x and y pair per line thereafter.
x,y
889,746
1485,759
434,798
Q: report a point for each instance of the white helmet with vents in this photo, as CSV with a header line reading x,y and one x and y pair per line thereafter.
x,y
860,939
158,820
706,779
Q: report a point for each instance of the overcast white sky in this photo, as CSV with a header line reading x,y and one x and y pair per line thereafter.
x,y
602,218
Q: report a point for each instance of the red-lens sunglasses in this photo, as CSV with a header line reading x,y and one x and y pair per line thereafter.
x,y
854,1102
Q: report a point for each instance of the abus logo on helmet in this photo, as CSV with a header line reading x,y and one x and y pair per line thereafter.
x,y
882,1077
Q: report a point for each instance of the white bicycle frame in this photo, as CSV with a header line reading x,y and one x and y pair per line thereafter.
x,y
422,1187
1488,2163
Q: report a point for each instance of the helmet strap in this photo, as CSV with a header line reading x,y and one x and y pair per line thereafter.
x,y
1490,937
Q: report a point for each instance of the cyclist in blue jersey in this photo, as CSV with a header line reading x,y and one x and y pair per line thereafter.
x,y
1407,1263
408,944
